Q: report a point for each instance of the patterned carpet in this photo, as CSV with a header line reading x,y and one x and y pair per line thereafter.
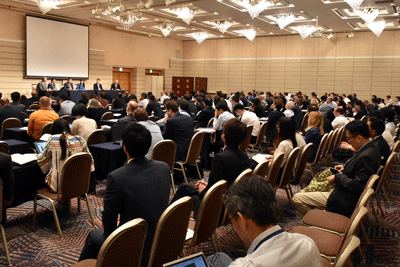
x,y
41,246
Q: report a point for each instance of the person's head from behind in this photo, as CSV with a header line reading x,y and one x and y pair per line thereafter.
x,y
235,99
376,126
278,103
64,97
143,95
130,108
312,108
221,107
44,102
173,96
234,132
172,108
251,205
94,103
184,105
93,95
4,101
187,97
55,105
316,120
388,112
286,129
61,126
84,95
152,98
136,140
140,114
290,105
79,110
256,102
338,111
207,102
357,134
239,109
15,96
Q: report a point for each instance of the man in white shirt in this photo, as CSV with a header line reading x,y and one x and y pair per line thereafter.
x,y
163,97
389,100
339,120
143,101
252,208
249,118
289,109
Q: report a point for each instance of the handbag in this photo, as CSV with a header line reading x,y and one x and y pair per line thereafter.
x,y
319,182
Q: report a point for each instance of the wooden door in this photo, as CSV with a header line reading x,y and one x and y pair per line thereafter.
x,y
200,84
182,85
124,77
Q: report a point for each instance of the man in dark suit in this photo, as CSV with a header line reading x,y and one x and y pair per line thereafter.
x,y
273,119
206,114
97,86
52,85
69,85
376,128
244,100
178,128
298,115
16,97
153,105
119,102
34,97
115,86
7,176
225,166
139,189
7,111
118,128
41,87
305,102
192,109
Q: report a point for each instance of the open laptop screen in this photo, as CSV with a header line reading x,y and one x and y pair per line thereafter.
x,y
195,260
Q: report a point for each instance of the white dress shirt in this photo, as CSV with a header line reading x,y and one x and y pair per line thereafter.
x,y
288,113
219,123
143,103
163,98
250,118
339,121
389,126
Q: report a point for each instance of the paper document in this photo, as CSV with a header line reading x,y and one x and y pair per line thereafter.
x,y
113,120
23,159
261,157
189,234
45,137
24,128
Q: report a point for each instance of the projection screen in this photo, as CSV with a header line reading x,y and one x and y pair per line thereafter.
x,y
56,49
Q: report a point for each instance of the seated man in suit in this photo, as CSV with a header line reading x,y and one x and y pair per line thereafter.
x,y
16,98
350,178
41,87
139,189
206,114
178,128
376,128
97,86
8,111
69,85
115,86
119,102
225,166
118,128
153,105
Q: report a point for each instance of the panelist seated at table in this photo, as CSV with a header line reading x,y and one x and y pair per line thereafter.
x,y
40,118
95,110
69,85
97,86
118,128
8,111
115,86
82,126
81,85
52,84
61,145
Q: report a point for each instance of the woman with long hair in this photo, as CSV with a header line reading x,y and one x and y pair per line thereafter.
x,y
95,110
61,145
314,132
285,139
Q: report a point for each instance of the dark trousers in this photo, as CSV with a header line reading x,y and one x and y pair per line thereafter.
x,y
253,139
93,243
187,190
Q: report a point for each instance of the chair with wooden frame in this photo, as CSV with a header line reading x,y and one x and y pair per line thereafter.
x,y
34,107
325,151
74,182
96,137
301,163
24,115
261,168
172,225
109,107
287,173
396,147
317,159
3,232
107,116
210,122
3,147
192,155
67,118
260,138
124,247
244,145
165,151
328,158
9,123
46,129
350,244
274,169
304,123
208,216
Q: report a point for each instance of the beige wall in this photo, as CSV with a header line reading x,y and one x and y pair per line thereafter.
x,y
364,64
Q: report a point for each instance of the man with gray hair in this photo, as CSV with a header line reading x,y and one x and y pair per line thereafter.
x,y
41,87
118,128
289,109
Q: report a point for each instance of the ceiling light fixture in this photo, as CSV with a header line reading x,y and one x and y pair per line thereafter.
x,y
329,36
199,36
222,25
255,7
305,30
355,4
186,14
169,2
127,20
377,27
367,14
249,34
166,28
284,20
47,5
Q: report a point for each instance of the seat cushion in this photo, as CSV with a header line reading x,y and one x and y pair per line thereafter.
x,y
326,220
47,193
328,244
85,263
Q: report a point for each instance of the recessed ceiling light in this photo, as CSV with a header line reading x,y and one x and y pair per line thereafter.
x,y
395,14
156,19
301,11
216,13
313,20
392,4
344,17
193,21
97,16
247,24
330,30
87,2
258,28
398,26
221,36
190,4
291,5
327,2
271,33
230,18
143,26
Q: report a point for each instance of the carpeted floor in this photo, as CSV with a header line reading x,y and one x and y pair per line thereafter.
x,y
41,246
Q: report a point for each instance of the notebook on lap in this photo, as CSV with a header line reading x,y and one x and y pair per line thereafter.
x,y
195,260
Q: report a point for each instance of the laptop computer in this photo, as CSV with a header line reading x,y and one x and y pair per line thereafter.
x,y
195,260
40,146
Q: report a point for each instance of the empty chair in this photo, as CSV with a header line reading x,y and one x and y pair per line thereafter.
x,y
301,164
350,244
67,118
9,123
246,142
261,168
123,247
172,225
273,172
96,137
107,116
165,151
260,138
192,155
34,106
3,147
74,182
287,173
46,128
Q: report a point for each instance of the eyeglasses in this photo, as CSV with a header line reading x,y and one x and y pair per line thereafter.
x,y
348,138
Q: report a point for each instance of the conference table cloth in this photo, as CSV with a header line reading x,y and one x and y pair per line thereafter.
x,y
107,157
17,146
16,133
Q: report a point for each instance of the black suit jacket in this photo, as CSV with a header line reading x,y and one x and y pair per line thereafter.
x,y
139,189
118,128
327,125
51,86
351,182
245,101
273,119
179,128
383,147
298,115
84,101
9,112
361,113
156,107
7,176
119,103
95,113
115,86
68,86
204,117
97,87
192,110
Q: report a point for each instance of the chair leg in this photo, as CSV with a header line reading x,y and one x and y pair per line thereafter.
x,y
3,234
288,195
260,148
183,171
90,211
216,244
198,170
56,219
373,211
79,204
173,183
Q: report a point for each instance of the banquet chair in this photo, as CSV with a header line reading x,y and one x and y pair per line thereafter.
x,y
246,142
3,147
3,232
208,216
9,123
210,122
109,107
349,245
261,168
172,225
396,147
67,118
96,137
123,247
34,106
192,155
46,129
24,115
304,123
165,151
74,182
301,164
260,138
315,164
274,169
287,174
107,116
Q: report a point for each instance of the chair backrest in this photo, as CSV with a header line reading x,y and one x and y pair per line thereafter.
x,y
372,180
46,129
124,246
67,118
210,122
364,119
343,136
274,169
3,148
195,147
304,123
75,176
386,171
261,133
332,142
172,225
349,245
354,222
209,212
321,147
366,194
165,151
328,144
396,147
107,116
34,106
289,167
302,162
10,123
261,168
1,199
24,115
96,137
246,142
109,107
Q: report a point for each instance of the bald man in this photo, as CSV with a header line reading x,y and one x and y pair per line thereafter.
x,y
120,125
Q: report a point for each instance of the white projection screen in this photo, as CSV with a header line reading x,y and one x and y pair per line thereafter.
x,y
56,49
